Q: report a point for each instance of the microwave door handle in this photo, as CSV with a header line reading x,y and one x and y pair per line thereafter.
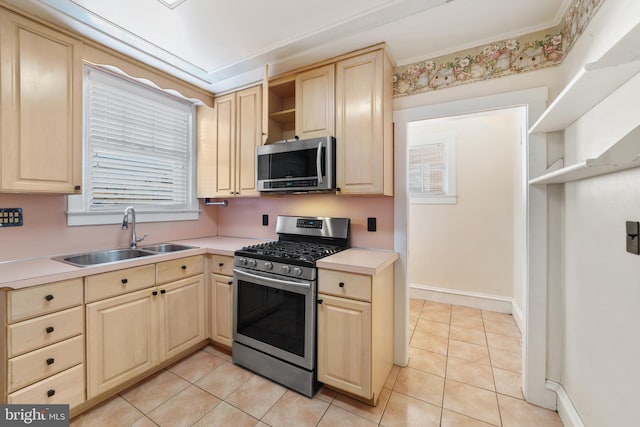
x,y
319,163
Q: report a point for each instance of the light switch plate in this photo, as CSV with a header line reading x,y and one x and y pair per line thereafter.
x,y
633,239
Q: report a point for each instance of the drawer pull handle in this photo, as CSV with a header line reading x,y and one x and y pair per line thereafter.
x,y
49,329
221,264
341,284
154,293
48,297
50,361
50,393
319,301
124,281
184,267
164,291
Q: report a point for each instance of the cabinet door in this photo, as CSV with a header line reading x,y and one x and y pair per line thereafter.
x,y
206,152
221,309
248,137
363,126
121,340
182,315
315,90
225,135
40,107
344,344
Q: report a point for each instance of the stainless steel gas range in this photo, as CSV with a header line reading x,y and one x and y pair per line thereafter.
x,y
275,297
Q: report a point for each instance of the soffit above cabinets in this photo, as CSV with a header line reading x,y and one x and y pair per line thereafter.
x,y
219,45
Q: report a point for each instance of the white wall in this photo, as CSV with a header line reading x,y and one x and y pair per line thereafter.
x,y
469,246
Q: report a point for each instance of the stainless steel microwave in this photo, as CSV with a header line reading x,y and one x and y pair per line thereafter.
x,y
297,166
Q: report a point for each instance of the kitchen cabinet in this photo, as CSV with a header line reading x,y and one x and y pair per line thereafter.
x,y
227,152
45,344
221,299
315,102
281,109
40,108
364,137
355,331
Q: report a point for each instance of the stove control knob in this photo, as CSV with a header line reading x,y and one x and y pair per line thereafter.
x,y
297,271
242,261
286,269
268,265
252,263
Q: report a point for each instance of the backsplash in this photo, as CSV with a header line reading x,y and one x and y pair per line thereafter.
x,y
529,52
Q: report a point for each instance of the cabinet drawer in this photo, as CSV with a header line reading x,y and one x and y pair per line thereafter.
x,y
177,269
38,300
348,285
221,264
67,387
46,330
43,363
119,282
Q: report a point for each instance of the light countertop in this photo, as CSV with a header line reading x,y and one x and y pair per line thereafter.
x,y
361,261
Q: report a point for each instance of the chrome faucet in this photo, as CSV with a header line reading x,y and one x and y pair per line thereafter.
x,y
125,225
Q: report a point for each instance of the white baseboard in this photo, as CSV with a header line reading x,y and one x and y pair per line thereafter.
x,y
568,413
517,316
468,299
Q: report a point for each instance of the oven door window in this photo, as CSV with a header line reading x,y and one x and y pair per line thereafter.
x,y
272,316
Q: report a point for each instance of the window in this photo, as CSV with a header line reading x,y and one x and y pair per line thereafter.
x,y
138,150
431,166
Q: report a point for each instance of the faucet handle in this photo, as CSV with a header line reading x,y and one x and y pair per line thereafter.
x,y
142,238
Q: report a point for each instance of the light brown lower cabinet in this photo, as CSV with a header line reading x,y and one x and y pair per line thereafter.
x,y
355,332
221,299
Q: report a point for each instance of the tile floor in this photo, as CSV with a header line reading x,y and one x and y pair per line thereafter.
x,y
464,370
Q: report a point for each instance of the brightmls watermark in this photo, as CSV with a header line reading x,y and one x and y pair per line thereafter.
x,y
34,415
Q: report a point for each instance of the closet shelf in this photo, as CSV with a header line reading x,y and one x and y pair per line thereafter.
x,y
624,154
594,82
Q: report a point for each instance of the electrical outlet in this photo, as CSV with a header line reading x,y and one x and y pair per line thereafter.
x,y
265,220
633,240
371,224
10,217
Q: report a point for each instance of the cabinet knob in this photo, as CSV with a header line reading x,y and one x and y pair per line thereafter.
x,y
221,264
163,291
77,188
154,293
319,301
50,361
49,329
230,282
184,267
48,297
341,284
50,393
124,281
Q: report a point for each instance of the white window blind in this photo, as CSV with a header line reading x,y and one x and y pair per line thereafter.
x,y
138,148
427,169
431,174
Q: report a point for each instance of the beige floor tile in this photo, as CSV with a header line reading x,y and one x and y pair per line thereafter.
x,y
473,336
116,411
502,328
476,374
225,415
469,322
404,410
421,385
416,304
144,422
222,353
503,342
184,409
433,328
371,413
256,396
429,342
155,391
508,382
495,316
295,409
506,360
471,401
469,352
326,394
465,311
339,417
518,413
393,375
453,419
224,380
196,366
436,312
427,361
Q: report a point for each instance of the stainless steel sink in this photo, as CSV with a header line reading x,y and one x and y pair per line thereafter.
x,y
167,247
102,257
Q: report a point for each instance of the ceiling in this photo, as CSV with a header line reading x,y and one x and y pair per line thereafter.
x,y
220,44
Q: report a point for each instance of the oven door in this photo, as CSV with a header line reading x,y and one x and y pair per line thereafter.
x,y
275,315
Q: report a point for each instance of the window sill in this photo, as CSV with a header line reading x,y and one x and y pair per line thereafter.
x,y
93,218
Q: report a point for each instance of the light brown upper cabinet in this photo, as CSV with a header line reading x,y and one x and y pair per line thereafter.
x,y
40,108
364,137
281,109
227,139
315,102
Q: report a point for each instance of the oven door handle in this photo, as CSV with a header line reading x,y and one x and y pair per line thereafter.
x,y
274,281
319,162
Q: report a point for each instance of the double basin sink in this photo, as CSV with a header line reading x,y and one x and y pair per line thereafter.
x,y
102,257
